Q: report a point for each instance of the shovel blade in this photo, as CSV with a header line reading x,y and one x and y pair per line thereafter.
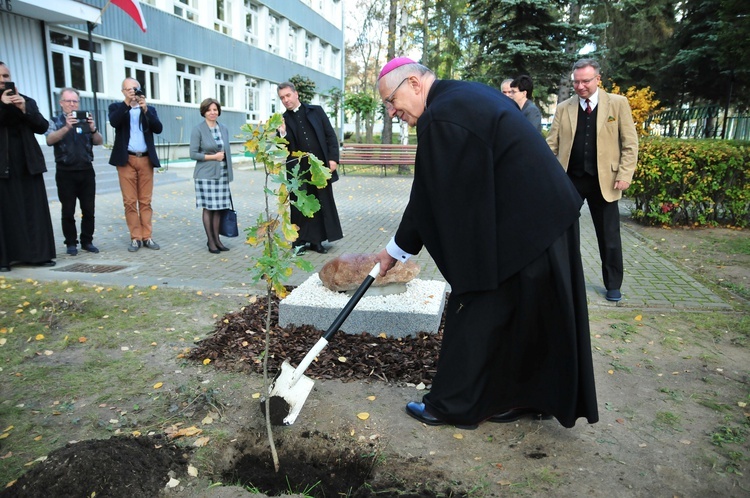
x,y
287,397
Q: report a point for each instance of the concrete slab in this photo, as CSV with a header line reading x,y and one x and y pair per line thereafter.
x,y
418,309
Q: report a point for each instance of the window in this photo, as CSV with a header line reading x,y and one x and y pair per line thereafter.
x,y
71,62
145,69
321,56
187,9
273,34
225,89
251,23
188,83
293,35
308,50
252,100
223,12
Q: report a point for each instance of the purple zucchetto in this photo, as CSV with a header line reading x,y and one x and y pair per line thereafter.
x,y
393,64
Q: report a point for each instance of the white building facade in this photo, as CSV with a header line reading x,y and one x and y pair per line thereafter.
x,y
236,51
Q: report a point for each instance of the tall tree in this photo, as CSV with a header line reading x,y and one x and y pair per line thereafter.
x,y
445,31
517,37
633,35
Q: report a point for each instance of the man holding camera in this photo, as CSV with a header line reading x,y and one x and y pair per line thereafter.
x,y
134,154
73,135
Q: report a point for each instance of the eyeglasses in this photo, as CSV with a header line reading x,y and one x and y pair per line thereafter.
x,y
584,82
388,101
70,101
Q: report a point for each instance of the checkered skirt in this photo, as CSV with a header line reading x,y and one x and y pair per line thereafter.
x,y
213,194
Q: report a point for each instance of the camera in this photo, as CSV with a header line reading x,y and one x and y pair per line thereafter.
x,y
9,85
139,93
82,116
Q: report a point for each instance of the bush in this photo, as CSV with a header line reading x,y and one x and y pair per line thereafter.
x,y
692,182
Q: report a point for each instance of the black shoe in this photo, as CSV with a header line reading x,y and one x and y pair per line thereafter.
x,y
418,411
4,268
214,251
71,250
318,248
46,263
518,413
222,248
90,248
614,295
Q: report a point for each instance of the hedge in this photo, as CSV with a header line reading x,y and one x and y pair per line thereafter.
x,y
692,182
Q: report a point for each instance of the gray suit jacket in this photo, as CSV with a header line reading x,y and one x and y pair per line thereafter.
x,y
202,143
616,139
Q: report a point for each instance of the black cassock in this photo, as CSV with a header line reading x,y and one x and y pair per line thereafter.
x,y
497,213
310,130
26,234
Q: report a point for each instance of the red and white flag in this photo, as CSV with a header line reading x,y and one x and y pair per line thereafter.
x,y
133,9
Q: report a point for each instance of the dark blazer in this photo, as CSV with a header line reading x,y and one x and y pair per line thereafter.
x,y
30,123
202,143
119,118
327,138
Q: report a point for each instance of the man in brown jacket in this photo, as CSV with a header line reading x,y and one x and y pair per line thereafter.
x,y
595,140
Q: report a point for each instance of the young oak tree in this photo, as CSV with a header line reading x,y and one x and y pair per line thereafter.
x,y
284,186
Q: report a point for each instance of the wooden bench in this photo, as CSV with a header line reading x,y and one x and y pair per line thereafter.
x,y
382,155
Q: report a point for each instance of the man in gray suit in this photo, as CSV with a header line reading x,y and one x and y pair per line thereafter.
x,y
595,140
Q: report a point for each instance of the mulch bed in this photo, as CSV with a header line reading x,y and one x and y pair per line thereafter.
x,y
238,344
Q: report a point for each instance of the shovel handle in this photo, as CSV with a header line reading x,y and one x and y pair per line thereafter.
x,y
344,314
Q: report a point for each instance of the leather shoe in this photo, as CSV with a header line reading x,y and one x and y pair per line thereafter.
x,y
46,263
614,295
90,248
71,250
222,248
319,248
417,410
518,413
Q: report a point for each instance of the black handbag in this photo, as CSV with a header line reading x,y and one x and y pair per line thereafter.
x,y
228,221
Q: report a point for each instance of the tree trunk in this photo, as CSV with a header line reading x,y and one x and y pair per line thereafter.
x,y
570,48
387,134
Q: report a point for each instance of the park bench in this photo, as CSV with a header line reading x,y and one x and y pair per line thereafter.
x,y
382,155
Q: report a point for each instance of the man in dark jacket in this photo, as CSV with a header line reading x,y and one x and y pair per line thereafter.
x,y
493,208
307,128
26,234
73,140
134,154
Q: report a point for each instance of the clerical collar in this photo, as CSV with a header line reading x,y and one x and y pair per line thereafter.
x,y
297,108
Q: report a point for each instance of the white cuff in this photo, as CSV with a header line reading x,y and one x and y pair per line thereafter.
x,y
396,252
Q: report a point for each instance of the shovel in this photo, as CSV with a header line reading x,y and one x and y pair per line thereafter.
x,y
290,388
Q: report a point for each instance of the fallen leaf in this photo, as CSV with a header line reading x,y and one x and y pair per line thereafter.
x,y
741,404
421,386
256,395
192,471
642,445
611,372
620,420
7,455
638,318
207,361
372,398
685,441
158,385
342,359
39,337
201,442
38,438
82,339
363,416
504,482
4,435
458,436
207,420
173,483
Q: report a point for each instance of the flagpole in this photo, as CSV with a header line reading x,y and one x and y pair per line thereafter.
x,y
101,13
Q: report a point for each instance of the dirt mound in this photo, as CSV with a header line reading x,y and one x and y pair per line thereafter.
x,y
119,467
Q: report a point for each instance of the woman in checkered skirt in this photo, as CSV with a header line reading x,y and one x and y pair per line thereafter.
x,y
213,170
